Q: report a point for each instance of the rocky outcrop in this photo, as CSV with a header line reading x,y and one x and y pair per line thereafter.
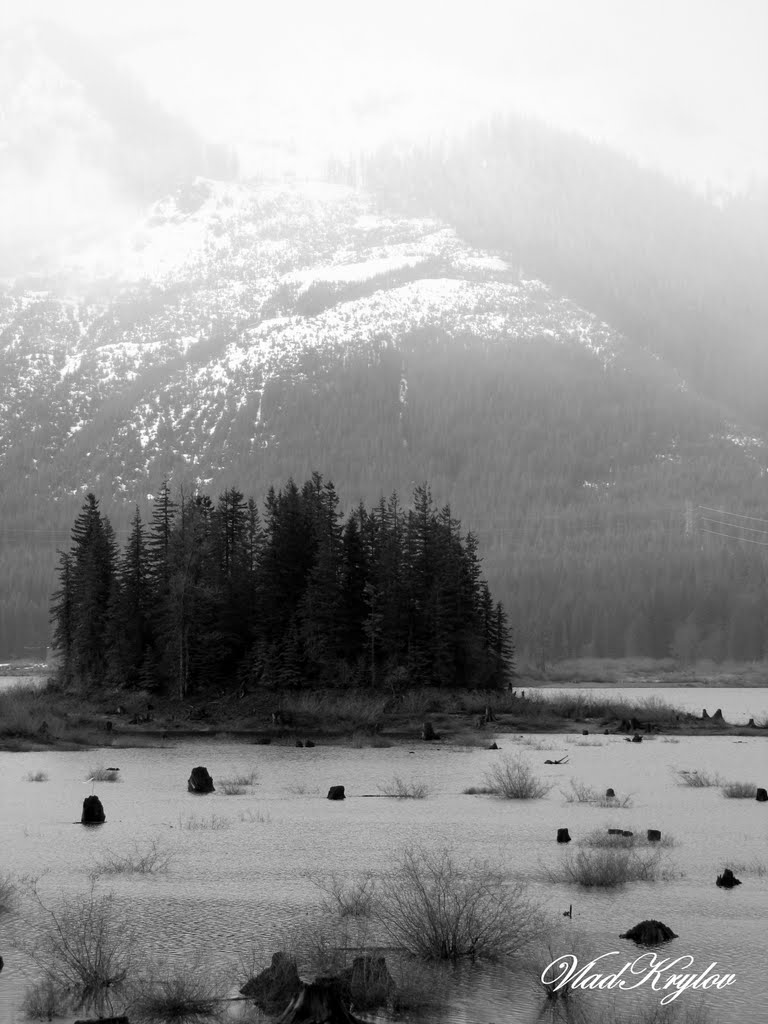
x,y
275,986
649,933
93,812
200,781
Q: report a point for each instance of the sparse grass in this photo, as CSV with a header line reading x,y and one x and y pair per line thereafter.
x,y
38,776
347,898
740,790
215,823
581,793
699,778
533,742
182,995
101,774
439,909
302,789
229,788
255,817
403,790
600,839
513,779
607,867
757,868
152,859
243,779
419,986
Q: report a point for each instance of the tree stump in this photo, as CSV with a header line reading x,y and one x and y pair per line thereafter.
x,y
563,836
654,835
751,724
367,983
761,795
336,793
428,733
637,738
615,831
610,793
493,746
718,717
649,933
627,834
275,986
200,781
299,743
319,1002
309,743
93,812
704,715
727,880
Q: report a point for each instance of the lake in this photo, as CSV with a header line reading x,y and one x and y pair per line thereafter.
x,y
244,886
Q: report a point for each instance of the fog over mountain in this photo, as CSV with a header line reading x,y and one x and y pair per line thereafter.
x,y
519,256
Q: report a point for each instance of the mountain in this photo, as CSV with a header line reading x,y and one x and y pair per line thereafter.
x,y
242,333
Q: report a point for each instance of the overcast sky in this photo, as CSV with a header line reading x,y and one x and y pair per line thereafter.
x,y
680,84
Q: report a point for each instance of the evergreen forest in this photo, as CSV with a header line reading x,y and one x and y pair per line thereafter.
x,y
209,597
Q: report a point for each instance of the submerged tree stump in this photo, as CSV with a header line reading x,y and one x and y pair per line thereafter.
x,y
610,794
649,933
93,812
654,835
637,738
727,880
336,793
200,781
367,983
275,986
761,795
428,733
563,836
319,1002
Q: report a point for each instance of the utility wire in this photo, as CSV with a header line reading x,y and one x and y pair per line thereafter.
x,y
730,536
724,512
732,526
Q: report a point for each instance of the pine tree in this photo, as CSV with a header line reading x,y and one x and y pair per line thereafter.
x,y
62,619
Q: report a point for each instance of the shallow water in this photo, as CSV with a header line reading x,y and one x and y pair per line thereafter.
x,y
738,704
244,884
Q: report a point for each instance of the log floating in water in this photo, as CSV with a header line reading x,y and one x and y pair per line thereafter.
x,y
319,1002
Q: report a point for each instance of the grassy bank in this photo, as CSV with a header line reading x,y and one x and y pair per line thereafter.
x,y
46,717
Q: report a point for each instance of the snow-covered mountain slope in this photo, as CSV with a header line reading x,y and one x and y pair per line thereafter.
x,y
223,289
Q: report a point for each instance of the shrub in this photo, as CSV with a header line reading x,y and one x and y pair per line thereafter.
x,y
45,1001
607,868
398,787
182,995
348,899
102,774
600,839
699,778
755,867
150,860
243,779
255,817
38,776
84,947
229,788
438,909
213,824
7,893
513,779
581,793
740,790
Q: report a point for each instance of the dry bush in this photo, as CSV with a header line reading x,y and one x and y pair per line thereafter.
x,y
758,868
699,778
38,776
513,779
403,790
740,790
581,793
152,859
347,898
101,774
255,817
44,1001
215,823
438,909
181,995
607,867
229,788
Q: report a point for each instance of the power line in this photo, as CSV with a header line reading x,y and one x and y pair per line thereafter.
x,y
724,512
730,536
732,526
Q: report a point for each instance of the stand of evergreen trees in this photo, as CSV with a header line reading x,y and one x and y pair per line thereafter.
x,y
211,596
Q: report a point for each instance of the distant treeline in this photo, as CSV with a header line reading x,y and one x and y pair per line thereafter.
x,y
213,596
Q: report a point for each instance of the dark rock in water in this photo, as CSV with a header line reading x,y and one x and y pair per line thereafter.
x,y
563,836
649,933
610,794
367,983
274,988
308,743
319,1002
637,738
727,880
761,795
93,812
336,793
200,781
493,746
428,733
654,835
